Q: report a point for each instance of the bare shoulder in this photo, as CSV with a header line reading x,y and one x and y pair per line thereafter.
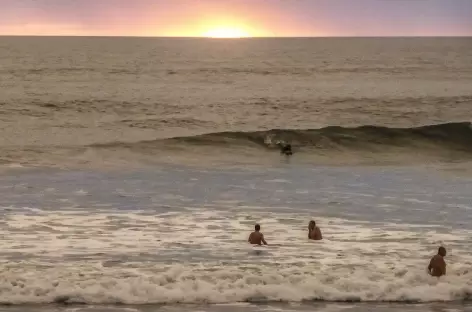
x,y
438,259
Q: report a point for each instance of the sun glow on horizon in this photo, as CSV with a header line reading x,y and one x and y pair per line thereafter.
x,y
226,32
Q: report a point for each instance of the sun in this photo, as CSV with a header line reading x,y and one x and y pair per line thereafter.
x,y
226,32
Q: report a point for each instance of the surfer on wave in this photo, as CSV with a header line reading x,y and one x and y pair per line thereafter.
x,y
285,148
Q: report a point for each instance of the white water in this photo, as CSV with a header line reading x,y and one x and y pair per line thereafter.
x,y
202,257
180,236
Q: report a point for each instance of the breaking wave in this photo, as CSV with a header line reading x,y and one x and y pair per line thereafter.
x,y
449,136
189,285
449,143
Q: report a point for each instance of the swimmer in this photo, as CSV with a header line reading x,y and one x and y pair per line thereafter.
x,y
256,237
437,265
314,232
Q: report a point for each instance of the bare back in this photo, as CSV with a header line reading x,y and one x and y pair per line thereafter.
x,y
256,238
315,234
437,266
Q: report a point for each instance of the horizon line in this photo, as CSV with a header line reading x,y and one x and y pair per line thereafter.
x,y
239,38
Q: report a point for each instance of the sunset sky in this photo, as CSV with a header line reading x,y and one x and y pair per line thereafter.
x,y
237,18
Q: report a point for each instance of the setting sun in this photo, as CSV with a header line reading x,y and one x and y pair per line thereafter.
x,y
226,32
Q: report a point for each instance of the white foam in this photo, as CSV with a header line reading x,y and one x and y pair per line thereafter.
x,y
124,257
216,284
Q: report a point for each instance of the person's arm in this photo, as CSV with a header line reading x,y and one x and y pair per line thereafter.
x,y
263,240
443,267
249,238
319,234
430,266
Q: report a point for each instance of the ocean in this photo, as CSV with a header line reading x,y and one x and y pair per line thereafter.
x,y
132,171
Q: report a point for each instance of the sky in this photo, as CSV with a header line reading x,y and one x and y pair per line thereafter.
x,y
236,18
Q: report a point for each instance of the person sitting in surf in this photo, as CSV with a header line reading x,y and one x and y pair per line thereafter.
x,y
256,237
437,265
314,232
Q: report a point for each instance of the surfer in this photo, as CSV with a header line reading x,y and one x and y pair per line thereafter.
x,y
314,232
437,265
285,148
256,237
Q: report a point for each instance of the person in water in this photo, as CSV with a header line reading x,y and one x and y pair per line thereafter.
x,y
437,265
285,148
256,237
314,232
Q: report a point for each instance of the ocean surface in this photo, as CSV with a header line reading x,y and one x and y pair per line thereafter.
x,y
132,171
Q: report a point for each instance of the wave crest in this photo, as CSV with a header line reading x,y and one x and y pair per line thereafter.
x,y
449,136
181,284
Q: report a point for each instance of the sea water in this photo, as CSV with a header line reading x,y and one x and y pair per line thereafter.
x,y
111,201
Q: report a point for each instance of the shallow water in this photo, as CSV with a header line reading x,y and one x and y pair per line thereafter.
x,y
324,307
178,235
